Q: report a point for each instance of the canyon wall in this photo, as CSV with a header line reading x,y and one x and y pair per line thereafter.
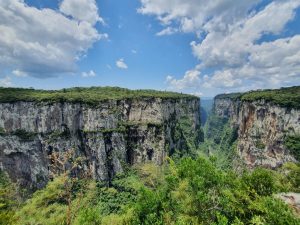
x,y
263,128
107,137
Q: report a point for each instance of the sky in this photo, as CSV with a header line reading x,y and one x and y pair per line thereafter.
x,y
193,46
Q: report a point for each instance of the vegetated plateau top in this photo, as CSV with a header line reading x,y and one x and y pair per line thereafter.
x,y
91,95
286,97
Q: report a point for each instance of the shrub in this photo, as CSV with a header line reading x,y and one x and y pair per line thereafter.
x,y
8,200
262,181
293,144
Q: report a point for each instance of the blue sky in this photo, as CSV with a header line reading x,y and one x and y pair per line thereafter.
x,y
181,45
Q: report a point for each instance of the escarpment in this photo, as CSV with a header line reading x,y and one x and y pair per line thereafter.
x,y
106,133
268,124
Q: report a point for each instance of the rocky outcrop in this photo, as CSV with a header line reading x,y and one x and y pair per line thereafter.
x,y
262,129
108,136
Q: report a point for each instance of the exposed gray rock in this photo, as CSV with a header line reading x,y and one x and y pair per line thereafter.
x,y
292,199
108,136
262,128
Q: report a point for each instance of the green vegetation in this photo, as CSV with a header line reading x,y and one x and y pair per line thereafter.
x,y
92,95
260,145
59,134
214,128
293,144
186,137
8,200
24,135
233,96
191,191
286,97
220,141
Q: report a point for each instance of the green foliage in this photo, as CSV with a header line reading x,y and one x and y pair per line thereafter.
x,y
220,140
2,131
24,135
288,97
214,128
285,97
270,210
291,176
65,134
8,200
233,96
47,206
21,133
186,137
91,96
191,191
196,192
262,181
260,145
293,144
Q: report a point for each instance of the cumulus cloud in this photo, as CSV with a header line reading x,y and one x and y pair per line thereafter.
x,y
5,82
121,64
91,73
190,79
167,31
230,42
45,42
81,10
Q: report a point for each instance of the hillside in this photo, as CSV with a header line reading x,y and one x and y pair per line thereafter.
x,y
286,97
91,95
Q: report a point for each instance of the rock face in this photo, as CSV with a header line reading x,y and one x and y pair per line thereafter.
x,y
262,129
108,136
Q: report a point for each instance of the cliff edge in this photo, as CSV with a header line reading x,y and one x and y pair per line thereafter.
x,y
107,128
268,123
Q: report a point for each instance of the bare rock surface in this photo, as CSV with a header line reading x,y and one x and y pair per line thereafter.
x,y
108,136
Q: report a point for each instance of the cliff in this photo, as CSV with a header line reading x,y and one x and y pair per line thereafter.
x,y
107,128
268,124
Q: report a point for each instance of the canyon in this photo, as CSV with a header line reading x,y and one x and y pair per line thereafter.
x,y
263,128
106,136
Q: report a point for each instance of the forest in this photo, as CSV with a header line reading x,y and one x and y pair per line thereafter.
x,y
205,187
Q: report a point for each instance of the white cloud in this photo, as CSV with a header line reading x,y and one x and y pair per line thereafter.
x,y
197,93
229,44
133,51
231,47
91,73
45,42
5,82
19,73
167,31
121,64
194,14
81,10
190,79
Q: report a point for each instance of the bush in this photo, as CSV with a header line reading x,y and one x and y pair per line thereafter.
x,y
8,200
262,181
191,191
292,143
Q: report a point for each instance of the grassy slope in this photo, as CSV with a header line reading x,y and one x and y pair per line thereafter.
x,y
285,97
90,95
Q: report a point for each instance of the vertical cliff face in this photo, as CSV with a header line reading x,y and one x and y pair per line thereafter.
x,y
107,136
227,106
264,127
